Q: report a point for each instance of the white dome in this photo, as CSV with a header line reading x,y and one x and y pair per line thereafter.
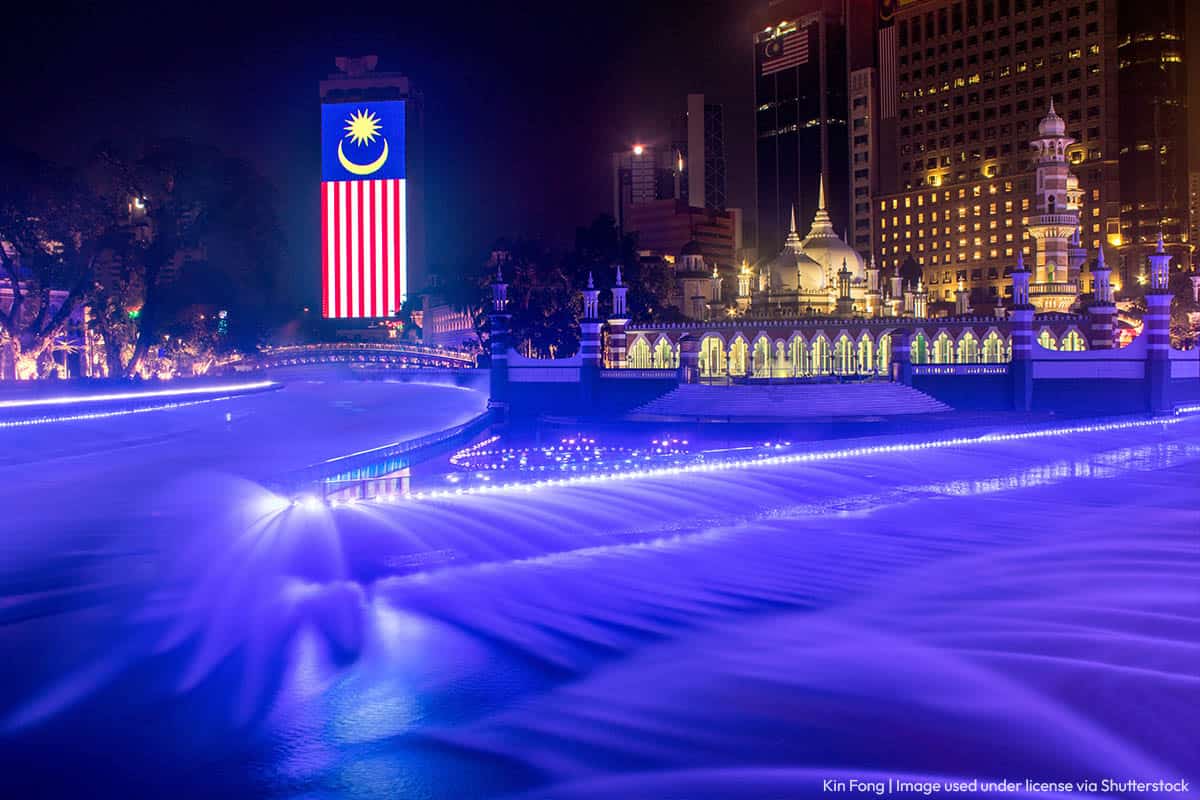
x,y
1052,124
827,249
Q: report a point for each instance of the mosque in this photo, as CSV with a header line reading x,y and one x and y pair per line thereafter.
x,y
822,275
817,308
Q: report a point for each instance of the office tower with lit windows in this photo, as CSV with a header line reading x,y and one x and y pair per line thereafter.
x,y
801,80
1153,131
971,79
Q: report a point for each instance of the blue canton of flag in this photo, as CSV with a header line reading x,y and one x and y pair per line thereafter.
x,y
362,141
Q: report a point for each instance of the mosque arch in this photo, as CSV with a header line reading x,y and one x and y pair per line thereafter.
x,y
800,355
993,347
883,354
665,354
639,355
968,348
866,354
822,356
943,349
761,357
919,348
712,356
782,367
1073,341
843,355
1046,339
738,355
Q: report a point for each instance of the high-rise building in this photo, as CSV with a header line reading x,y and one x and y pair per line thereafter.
x,y
1153,131
372,191
963,85
704,156
801,75
864,142
662,227
643,174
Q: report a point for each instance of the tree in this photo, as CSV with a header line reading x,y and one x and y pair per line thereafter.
x,y
51,233
199,229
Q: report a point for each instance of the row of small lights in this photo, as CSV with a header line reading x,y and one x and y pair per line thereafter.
x,y
74,400
21,423
573,453
313,502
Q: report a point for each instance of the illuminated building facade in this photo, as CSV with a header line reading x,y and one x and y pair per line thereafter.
x,y
1154,130
973,79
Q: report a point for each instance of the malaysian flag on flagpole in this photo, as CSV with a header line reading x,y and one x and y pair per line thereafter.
x,y
363,211
785,51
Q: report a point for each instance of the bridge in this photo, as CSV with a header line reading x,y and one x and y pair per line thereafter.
x,y
364,354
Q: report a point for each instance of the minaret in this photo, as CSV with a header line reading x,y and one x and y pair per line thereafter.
x,y
874,299
590,325
743,291
897,294
1056,206
1021,317
921,300
1156,327
845,304
617,322
1102,311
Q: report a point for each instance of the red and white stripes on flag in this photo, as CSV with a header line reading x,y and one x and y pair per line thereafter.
x,y
363,248
887,72
788,50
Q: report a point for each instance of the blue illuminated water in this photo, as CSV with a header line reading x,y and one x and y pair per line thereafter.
x,y
1000,610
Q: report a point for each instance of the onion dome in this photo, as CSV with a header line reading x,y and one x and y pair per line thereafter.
x,y
1052,124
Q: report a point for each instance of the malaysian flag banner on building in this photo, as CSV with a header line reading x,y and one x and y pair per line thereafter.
x,y
785,50
363,221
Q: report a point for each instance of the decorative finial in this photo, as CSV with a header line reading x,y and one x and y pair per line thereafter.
x,y
1020,260
591,283
1100,260
499,274
792,227
619,276
1161,250
1051,105
821,191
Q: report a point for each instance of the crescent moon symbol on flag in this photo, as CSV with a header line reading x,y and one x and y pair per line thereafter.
x,y
363,169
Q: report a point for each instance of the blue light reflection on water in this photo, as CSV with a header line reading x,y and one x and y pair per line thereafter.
x,y
903,612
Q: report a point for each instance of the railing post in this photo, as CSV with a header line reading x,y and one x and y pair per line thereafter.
x,y
901,365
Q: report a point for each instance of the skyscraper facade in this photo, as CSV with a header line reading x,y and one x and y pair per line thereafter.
x,y
801,80
1153,130
963,85
704,157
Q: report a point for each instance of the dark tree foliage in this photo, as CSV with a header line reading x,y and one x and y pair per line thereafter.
x,y
205,233
545,290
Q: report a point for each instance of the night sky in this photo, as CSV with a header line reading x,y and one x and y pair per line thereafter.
x,y
524,104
